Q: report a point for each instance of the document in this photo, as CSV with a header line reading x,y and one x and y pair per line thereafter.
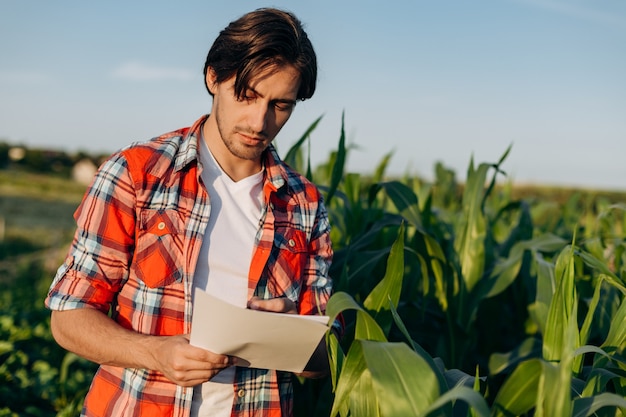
x,y
259,339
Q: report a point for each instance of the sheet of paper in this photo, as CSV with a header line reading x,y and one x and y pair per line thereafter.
x,y
259,339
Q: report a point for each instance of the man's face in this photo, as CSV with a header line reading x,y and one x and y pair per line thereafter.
x,y
248,125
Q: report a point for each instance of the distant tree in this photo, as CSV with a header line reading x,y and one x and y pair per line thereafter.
x,y
4,154
47,161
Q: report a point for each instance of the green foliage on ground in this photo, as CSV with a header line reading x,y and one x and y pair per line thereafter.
x,y
474,299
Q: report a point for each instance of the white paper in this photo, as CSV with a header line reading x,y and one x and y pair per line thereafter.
x,y
259,339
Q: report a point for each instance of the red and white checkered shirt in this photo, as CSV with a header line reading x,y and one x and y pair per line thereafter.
x,y
139,231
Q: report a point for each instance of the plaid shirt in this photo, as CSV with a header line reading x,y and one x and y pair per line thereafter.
x,y
140,228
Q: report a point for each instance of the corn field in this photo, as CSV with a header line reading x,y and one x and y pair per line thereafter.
x,y
457,299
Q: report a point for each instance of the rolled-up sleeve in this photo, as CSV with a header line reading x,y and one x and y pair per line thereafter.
x,y
97,263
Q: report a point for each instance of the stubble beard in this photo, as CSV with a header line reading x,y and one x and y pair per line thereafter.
x,y
238,149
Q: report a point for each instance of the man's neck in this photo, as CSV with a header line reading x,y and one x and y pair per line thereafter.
x,y
236,168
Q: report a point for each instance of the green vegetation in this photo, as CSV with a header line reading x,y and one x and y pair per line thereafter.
x,y
475,299
37,377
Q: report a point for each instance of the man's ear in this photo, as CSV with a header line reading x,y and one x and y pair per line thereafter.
x,y
211,80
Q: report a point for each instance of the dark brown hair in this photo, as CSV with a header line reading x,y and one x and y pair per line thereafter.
x,y
259,40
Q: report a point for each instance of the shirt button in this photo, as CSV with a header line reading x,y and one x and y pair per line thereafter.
x,y
241,393
161,226
292,243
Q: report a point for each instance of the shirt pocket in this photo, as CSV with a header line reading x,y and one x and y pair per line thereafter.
x,y
292,254
158,259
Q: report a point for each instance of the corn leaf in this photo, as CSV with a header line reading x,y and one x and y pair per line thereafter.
x,y
405,201
616,339
437,260
291,158
471,231
500,362
388,289
363,401
584,407
593,305
379,173
561,305
546,287
338,166
404,382
558,384
602,266
352,371
443,386
476,402
597,382
519,392
335,357
366,326
506,270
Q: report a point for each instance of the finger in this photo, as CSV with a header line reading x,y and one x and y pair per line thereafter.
x,y
202,355
277,305
192,378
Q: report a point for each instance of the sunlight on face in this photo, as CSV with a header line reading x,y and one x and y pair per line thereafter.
x,y
242,128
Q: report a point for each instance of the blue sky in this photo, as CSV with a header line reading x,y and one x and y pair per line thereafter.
x,y
427,80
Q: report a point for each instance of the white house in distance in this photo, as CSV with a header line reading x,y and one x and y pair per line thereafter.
x,y
83,171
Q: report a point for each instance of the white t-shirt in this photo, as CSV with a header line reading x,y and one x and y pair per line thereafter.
x,y
224,262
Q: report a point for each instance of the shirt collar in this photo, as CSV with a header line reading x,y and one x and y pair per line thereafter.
x,y
275,173
188,152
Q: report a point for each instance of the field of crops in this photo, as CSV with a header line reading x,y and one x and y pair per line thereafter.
x,y
474,299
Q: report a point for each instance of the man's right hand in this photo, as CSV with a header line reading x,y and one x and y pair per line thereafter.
x,y
93,335
187,365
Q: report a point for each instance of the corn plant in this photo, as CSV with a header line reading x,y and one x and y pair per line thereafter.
x,y
487,303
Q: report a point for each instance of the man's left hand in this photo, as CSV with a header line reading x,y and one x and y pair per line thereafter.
x,y
276,305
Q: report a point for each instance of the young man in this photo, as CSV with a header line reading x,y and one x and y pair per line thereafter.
x,y
210,206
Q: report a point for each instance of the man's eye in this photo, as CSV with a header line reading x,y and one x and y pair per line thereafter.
x,y
283,106
247,97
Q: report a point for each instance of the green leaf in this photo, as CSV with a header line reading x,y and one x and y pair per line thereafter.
x,y
602,266
404,382
437,260
545,289
519,392
335,357
443,386
352,370
6,346
617,332
379,173
388,289
500,362
593,305
471,229
406,202
561,308
338,166
597,381
476,401
584,407
366,326
363,402
291,156
506,270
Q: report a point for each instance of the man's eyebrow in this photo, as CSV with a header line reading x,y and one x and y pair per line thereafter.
x,y
278,100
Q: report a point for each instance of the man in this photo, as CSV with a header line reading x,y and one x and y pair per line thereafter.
x,y
212,207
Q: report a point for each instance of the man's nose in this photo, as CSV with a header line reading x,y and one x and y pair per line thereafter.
x,y
258,116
